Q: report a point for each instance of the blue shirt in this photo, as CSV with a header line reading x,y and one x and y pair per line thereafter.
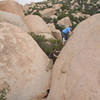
x,y
66,30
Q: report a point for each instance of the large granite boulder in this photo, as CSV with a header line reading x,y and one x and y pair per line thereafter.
x,y
55,32
23,65
77,15
37,25
12,7
57,6
48,12
13,19
76,73
64,22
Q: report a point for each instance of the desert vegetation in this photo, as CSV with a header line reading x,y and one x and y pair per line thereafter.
x,y
69,8
47,44
3,94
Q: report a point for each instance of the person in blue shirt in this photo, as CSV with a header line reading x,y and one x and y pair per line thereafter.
x,y
65,33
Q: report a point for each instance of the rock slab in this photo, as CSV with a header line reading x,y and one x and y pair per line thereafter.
x,y
76,73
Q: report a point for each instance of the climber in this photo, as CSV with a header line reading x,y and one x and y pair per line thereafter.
x,y
65,32
53,54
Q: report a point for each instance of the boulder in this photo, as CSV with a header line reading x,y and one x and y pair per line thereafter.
x,y
37,25
13,19
64,22
12,7
98,2
50,4
51,26
27,6
53,16
88,1
56,33
48,12
74,5
23,65
80,15
76,73
57,6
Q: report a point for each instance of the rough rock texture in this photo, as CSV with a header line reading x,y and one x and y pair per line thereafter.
x,y
13,19
80,15
22,65
76,73
89,1
48,12
65,22
57,6
51,26
12,7
53,16
37,25
56,33
26,6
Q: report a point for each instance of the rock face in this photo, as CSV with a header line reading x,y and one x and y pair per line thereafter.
x,y
76,73
13,19
37,25
12,7
65,22
26,6
22,65
80,15
57,6
56,33
48,12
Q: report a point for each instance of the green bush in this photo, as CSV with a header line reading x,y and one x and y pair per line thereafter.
x,y
37,13
73,26
59,27
94,1
64,7
47,19
62,15
72,18
88,8
47,44
3,94
55,20
27,13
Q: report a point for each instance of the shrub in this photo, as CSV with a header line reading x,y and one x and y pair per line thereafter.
x,y
62,15
73,25
64,6
3,94
28,12
37,13
81,18
55,20
59,27
94,1
47,44
47,19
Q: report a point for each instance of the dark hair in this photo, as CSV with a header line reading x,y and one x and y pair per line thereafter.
x,y
54,49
